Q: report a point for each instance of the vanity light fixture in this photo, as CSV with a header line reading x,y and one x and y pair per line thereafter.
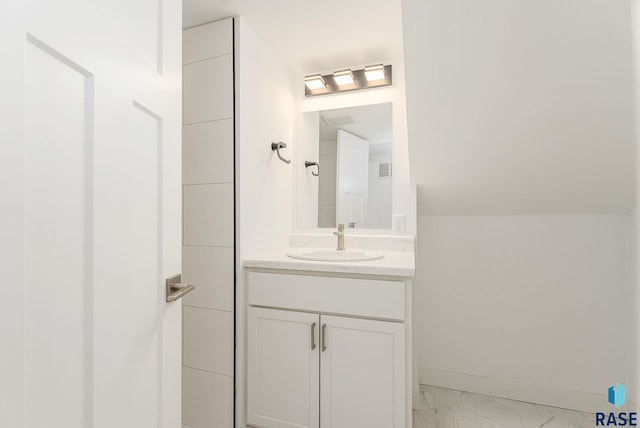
x,y
374,72
343,77
314,82
372,76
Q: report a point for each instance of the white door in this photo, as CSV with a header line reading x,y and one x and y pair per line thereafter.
x,y
362,375
90,213
283,369
352,179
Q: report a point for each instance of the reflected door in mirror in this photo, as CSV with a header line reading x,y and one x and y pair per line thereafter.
x,y
353,180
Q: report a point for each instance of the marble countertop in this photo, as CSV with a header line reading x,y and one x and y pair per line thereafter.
x,y
394,263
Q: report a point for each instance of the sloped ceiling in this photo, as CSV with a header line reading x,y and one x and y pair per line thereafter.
x,y
520,107
314,36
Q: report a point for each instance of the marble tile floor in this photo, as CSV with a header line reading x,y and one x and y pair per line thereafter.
x,y
448,408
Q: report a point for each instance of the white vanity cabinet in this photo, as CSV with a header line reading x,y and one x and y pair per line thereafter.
x,y
362,373
326,351
283,367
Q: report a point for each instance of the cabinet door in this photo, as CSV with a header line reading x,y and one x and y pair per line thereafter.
x,y
362,375
283,369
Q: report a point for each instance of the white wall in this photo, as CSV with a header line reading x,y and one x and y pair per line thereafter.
x,y
520,119
264,184
535,308
520,107
404,193
307,192
264,107
635,19
634,389
380,198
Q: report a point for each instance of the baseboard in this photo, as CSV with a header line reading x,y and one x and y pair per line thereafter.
x,y
548,396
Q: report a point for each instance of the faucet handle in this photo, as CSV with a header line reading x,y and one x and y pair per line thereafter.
x,y
341,228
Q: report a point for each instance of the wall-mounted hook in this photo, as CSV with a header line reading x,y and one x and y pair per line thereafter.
x,y
276,148
307,164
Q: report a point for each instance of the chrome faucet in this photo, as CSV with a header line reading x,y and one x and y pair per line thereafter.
x,y
340,235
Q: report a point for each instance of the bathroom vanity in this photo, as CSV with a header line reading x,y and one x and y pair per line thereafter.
x,y
329,342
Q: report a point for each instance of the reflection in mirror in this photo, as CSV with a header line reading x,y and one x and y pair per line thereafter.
x,y
354,186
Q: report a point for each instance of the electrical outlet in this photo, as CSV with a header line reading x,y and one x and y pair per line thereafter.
x,y
397,223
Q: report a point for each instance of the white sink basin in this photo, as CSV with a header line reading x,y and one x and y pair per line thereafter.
x,y
336,256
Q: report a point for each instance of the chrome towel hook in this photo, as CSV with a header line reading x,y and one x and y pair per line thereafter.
x,y
276,148
307,164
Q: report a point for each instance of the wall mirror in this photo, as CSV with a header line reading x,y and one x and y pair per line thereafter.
x,y
353,149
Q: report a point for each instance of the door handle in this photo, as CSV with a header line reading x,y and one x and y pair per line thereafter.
x,y
313,336
324,337
175,289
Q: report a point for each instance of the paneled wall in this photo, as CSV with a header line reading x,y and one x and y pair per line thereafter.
x,y
327,184
208,232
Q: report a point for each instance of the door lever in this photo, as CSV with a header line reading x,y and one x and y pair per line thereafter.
x,y
175,289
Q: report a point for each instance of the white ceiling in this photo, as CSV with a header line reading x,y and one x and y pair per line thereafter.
x,y
370,122
314,36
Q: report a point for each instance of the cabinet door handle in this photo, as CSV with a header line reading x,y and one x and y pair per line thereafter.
x,y
313,336
324,337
